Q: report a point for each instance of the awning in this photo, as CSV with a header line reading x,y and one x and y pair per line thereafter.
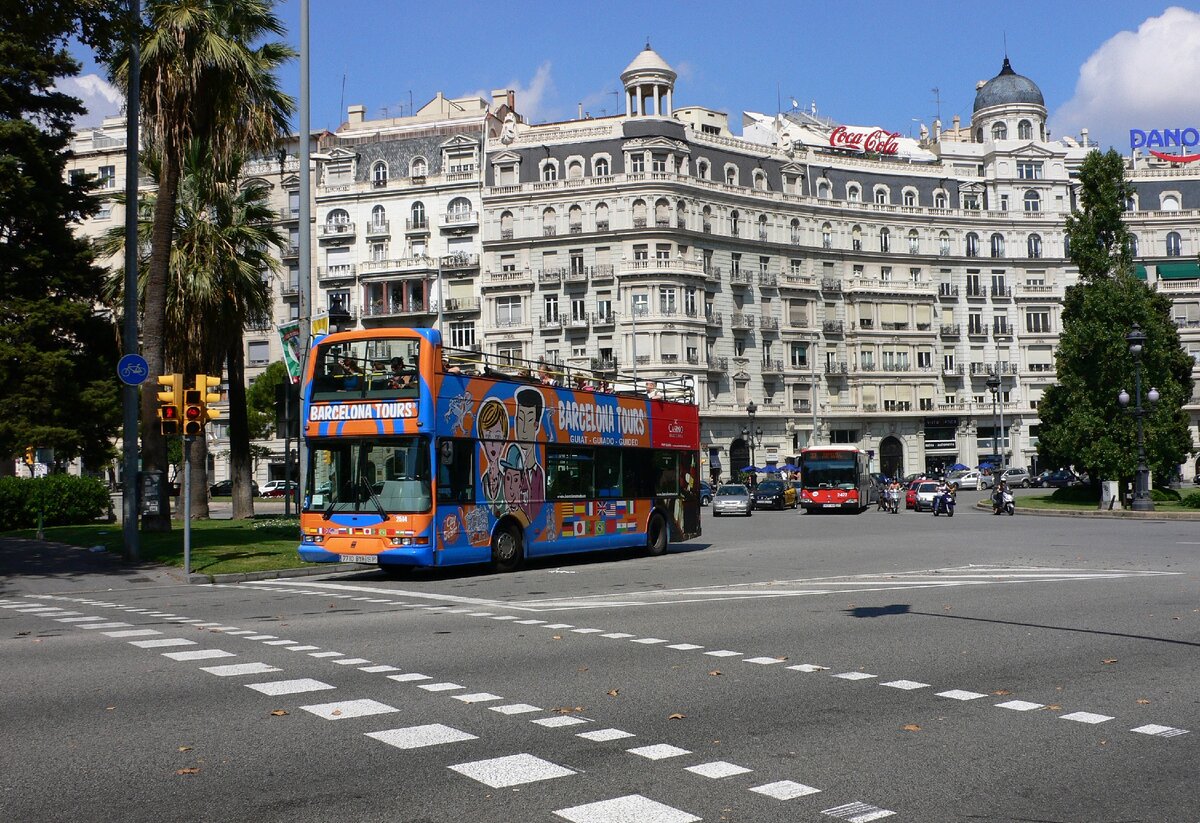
x,y
1184,270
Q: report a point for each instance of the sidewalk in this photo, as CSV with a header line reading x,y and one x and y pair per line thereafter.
x,y
39,567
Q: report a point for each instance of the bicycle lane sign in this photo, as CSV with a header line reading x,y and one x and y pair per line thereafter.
x,y
133,370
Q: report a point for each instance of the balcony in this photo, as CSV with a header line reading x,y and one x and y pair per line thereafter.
x,y
461,260
381,228
831,284
712,319
741,321
549,231
459,220
799,281
603,271
740,278
382,308
947,291
770,324
575,228
1038,292
976,330
836,367
551,325
545,276
1001,293
833,327
289,251
289,290
460,305
576,323
575,274
601,225
801,406
506,234
517,277
706,227
772,368
605,364
976,292
418,226
600,319
1002,332
336,231
717,364
953,370
400,265
950,330
662,264
768,280
329,273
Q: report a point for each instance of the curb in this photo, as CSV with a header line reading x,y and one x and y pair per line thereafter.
x,y
1124,514
305,571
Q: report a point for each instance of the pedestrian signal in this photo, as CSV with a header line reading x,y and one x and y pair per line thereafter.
x,y
170,388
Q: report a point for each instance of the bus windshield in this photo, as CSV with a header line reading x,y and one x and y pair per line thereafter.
x,y
369,476
832,472
351,369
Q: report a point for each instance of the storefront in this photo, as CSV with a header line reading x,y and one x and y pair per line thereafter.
x,y
941,444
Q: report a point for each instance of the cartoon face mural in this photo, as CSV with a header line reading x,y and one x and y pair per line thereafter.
x,y
492,429
527,426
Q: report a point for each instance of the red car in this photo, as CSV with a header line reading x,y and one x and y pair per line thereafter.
x,y
910,496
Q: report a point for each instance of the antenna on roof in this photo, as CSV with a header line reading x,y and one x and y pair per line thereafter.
x,y
1005,45
937,99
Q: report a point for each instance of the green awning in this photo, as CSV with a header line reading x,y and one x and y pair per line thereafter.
x,y
1140,271
1183,270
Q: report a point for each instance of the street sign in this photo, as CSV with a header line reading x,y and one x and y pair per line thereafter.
x,y
133,370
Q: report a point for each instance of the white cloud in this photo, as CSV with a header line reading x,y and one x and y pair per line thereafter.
x,y
1144,79
100,98
532,99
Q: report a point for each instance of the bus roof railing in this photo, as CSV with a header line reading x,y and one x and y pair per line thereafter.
x,y
606,379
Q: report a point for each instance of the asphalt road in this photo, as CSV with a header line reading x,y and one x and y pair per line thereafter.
x,y
785,667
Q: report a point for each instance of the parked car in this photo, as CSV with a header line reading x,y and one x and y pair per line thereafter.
x,y
925,491
969,479
1016,477
706,493
225,488
277,488
1039,479
1061,478
775,494
910,491
732,498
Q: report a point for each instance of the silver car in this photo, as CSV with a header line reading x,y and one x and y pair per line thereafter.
x,y
1016,477
732,498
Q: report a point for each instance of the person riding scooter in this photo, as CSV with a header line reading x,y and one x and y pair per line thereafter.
x,y
943,499
1002,499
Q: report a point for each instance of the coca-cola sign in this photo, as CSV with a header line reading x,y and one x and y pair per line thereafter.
x,y
865,140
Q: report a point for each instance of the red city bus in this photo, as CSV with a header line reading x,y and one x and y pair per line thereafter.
x,y
419,456
836,477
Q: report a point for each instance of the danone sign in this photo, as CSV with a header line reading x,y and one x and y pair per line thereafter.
x,y
1150,139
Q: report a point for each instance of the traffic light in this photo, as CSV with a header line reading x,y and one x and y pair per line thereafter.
x,y
30,458
204,382
193,412
170,387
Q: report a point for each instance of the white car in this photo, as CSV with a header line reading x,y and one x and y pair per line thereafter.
x,y
277,488
970,479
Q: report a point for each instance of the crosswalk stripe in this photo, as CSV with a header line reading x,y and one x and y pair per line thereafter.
x,y
280,687
632,807
418,737
236,669
345,709
512,770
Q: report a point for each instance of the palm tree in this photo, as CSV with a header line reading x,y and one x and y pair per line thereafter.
x,y
202,78
216,287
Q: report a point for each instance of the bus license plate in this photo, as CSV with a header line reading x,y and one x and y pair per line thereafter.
x,y
831,505
359,558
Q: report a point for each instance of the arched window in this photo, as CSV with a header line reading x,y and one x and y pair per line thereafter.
x,y
338,217
978,135
706,220
914,242
549,222
824,190
760,180
999,132
1170,202
826,236
379,217
549,171
419,167
997,245
459,209
856,238
379,174
1133,245
795,229
702,169
885,240
1131,203
762,227
601,167
662,212
1174,244
972,244
506,225
731,174
575,219
734,222
882,195
939,200
853,193
944,244
1033,201
910,197
639,214
417,215
1067,246
601,217
575,170
1034,246
1025,130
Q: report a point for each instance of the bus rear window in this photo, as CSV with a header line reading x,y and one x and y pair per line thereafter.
x,y
381,367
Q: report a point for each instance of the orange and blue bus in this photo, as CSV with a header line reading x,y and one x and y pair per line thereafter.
x,y
424,456
836,478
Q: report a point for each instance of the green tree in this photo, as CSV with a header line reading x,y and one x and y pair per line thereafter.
x,y
206,76
260,401
58,384
1082,422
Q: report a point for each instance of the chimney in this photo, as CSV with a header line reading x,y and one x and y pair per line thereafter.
x,y
937,131
504,97
1084,134
956,122
356,114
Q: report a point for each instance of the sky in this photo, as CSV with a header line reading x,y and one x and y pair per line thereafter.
x,y
1105,65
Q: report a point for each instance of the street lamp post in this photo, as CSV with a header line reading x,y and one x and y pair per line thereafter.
x,y
752,435
1141,488
994,383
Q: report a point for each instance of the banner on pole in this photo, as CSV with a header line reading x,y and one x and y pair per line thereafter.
x,y
289,336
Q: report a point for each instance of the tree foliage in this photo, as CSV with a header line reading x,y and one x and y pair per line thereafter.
x,y
58,384
260,400
1082,421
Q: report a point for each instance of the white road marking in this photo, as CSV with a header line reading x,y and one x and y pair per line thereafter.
x,y
763,661
1159,731
907,685
558,626
649,641
504,617
241,632
1086,717
408,678
959,694
351,661
530,622
418,737
280,687
723,653
235,669
617,635
105,625
279,642
326,654
858,812
515,708
658,751
133,633
77,619
158,644
1019,705
808,667
785,790
632,808
261,637
586,631
604,735
717,769
302,648
199,654
685,647
853,676
479,614
346,709
378,669
513,770
441,687
477,697
559,721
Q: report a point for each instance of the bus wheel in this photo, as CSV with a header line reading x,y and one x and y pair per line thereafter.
x,y
656,536
506,549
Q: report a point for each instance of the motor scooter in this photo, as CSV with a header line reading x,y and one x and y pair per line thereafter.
x,y
1002,502
943,502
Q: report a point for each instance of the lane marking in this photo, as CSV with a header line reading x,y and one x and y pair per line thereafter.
x,y
515,708
346,709
378,669
440,687
717,769
761,661
723,653
1086,717
808,667
1159,731
1020,705
627,809
200,654
907,685
785,790
853,676
685,647
158,644
477,697
133,633
513,770
658,751
408,678
959,694
237,669
105,625
604,735
858,812
418,737
351,661
559,721
276,688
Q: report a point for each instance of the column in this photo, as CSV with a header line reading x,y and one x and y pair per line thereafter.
x,y
657,104
670,107
628,103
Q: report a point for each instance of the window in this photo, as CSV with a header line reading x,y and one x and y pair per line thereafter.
x,y
970,202
419,167
1029,170
734,221
578,309
885,240
418,215
731,174
1174,244
1024,130
637,163
885,274
508,310
550,308
456,471
914,242
689,301
549,171
462,334
570,473
997,243
1034,246
853,193
575,170
379,174
667,300
107,177
641,304
910,197
338,217
882,195
258,353
799,352
925,360
459,209
827,236
760,181
702,169
999,132
939,200
972,244
999,287
1033,201
974,323
1169,202
824,190
601,167
974,288
1133,245
856,238
944,244
1037,321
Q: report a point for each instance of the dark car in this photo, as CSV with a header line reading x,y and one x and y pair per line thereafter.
x,y
225,488
775,494
705,493
1062,478
1039,480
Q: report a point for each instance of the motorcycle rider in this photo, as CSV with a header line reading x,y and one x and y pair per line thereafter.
x,y
1001,497
941,497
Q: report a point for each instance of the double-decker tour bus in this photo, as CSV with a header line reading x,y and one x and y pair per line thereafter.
x,y
419,456
836,477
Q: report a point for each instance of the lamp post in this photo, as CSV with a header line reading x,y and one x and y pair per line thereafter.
x,y
752,435
1141,488
993,384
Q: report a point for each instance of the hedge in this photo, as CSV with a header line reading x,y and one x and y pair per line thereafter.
x,y
64,500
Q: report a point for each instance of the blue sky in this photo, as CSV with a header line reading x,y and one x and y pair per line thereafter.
x,y
1106,65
